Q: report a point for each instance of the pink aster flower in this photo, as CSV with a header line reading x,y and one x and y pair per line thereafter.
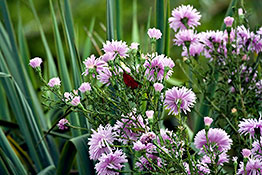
x,y
35,62
150,114
154,33
134,46
75,101
222,158
195,49
54,82
100,140
257,148
109,163
144,164
253,167
249,126
216,136
179,96
246,153
158,87
116,48
184,17
62,124
85,87
208,121
104,76
93,63
228,21
185,38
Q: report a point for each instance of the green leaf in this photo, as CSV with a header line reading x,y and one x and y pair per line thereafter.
x,y
77,145
88,44
160,24
50,170
109,20
167,29
10,154
118,16
135,30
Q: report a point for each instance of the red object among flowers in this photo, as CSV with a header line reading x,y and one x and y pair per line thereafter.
x,y
130,81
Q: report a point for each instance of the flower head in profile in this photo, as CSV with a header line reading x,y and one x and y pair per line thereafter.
x,y
35,62
208,121
116,48
158,87
185,38
182,98
246,153
228,21
54,82
216,136
256,148
104,76
250,126
85,87
109,163
100,140
253,167
154,33
62,124
184,17
75,101
94,63
134,46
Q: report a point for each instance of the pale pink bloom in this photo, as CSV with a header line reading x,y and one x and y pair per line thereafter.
x,y
107,57
240,11
185,38
116,48
253,167
208,121
158,87
93,63
54,82
138,146
154,33
85,87
75,101
62,124
35,62
228,21
68,96
134,46
150,114
184,17
104,76
246,153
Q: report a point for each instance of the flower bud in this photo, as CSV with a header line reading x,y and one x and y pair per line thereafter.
x,y
158,87
208,121
35,62
228,21
150,114
246,153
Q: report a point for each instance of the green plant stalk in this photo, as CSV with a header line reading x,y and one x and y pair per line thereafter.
x,y
135,30
109,20
160,24
118,16
167,29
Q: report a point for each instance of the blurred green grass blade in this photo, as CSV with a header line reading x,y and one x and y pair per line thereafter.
x,y
63,71
6,165
229,12
75,146
160,24
135,30
50,170
88,44
167,29
4,109
28,127
118,16
51,64
109,20
146,38
9,152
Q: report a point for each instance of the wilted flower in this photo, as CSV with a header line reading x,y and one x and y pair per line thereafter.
x,y
154,33
35,62
184,17
99,140
216,136
116,48
109,163
181,98
54,82
228,21
85,87
158,87
62,124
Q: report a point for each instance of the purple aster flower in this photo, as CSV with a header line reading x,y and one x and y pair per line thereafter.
x,y
62,124
259,32
185,38
144,164
93,63
157,67
85,87
249,126
222,158
253,167
35,62
100,140
184,17
104,76
130,127
116,48
179,96
54,82
154,33
256,148
109,163
216,136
